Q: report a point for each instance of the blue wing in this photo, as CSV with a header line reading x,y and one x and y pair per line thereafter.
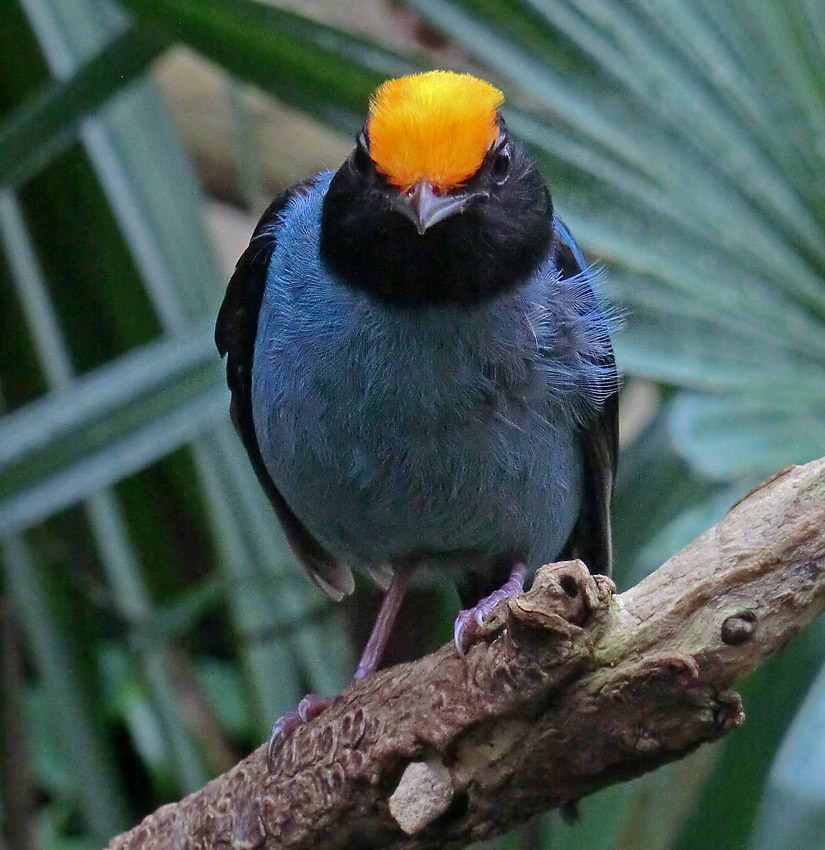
x,y
235,333
592,538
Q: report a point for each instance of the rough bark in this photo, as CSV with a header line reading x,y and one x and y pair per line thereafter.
x,y
574,688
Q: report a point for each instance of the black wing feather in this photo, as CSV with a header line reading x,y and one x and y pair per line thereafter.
x,y
591,539
235,333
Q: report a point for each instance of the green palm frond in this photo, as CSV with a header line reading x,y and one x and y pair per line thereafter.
x,y
682,140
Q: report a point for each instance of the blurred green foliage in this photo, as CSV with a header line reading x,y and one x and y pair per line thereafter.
x,y
162,622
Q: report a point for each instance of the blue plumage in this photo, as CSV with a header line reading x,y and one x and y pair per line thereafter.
x,y
421,372
442,433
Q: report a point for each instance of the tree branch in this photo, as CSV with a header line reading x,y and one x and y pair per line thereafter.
x,y
574,689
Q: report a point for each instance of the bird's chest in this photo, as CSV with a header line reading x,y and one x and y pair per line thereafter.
x,y
413,433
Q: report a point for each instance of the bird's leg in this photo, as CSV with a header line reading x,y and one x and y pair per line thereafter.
x,y
312,705
469,623
390,604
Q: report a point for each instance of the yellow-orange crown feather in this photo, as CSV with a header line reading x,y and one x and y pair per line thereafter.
x,y
435,126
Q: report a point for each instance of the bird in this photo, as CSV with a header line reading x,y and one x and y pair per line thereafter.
x,y
420,369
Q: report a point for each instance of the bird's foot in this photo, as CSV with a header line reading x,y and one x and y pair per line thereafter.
x,y
310,707
471,623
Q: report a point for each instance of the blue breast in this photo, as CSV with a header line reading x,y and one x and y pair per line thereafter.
x,y
431,432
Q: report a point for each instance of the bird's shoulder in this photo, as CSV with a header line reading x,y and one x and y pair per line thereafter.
x,y
237,319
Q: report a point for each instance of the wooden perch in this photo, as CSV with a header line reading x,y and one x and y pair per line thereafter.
x,y
575,688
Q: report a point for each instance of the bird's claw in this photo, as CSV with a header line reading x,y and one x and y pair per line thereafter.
x,y
473,623
310,707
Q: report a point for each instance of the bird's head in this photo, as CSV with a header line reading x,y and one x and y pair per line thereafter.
x,y
436,203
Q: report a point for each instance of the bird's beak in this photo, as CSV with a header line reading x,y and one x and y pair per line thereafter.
x,y
424,208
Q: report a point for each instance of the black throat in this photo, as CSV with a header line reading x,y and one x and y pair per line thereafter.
x,y
467,258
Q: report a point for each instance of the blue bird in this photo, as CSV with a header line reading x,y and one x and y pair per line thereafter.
x,y
420,370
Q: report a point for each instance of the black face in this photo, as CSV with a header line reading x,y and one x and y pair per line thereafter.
x,y
494,243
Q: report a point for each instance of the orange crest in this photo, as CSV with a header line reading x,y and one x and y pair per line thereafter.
x,y
435,126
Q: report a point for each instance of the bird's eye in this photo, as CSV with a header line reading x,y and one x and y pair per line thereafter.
x,y
501,165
